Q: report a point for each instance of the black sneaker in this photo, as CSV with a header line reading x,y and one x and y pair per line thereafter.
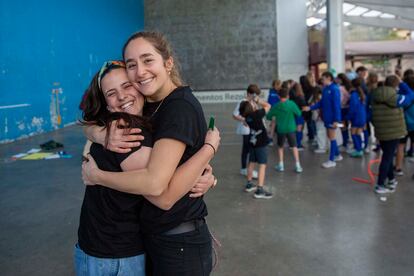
x,y
261,193
250,187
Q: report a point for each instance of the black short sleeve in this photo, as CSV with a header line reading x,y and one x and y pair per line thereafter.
x,y
147,142
178,121
261,113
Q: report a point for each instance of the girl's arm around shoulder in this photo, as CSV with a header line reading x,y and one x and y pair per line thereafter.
x,y
185,177
119,140
266,106
152,180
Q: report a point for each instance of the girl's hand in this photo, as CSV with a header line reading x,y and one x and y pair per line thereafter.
x,y
122,140
306,108
89,171
213,138
204,183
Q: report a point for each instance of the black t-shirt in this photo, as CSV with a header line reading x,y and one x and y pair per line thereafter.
x,y
299,101
109,224
258,135
179,117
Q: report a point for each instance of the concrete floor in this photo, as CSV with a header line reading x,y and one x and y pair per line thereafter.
x,y
319,222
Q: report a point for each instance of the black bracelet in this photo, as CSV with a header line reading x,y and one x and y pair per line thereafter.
x,y
211,147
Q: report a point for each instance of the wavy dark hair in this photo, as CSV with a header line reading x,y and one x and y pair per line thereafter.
x,y
357,84
95,111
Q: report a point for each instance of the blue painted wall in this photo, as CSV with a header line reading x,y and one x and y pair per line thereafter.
x,y
50,44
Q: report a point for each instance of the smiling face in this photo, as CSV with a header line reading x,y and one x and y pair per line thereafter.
x,y
120,94
147,69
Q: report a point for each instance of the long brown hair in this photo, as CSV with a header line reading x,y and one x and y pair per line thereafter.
x,y
163,47
357,83
298,90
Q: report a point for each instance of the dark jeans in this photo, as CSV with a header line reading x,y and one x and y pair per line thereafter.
x,y
311,128
186,254
245,151
386,168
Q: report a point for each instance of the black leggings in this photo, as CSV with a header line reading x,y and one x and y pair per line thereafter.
x,y
186,254
245,151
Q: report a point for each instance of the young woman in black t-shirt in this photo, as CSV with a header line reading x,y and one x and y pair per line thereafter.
x,y
177,240
109,230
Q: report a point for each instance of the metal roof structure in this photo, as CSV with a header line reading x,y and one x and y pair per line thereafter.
x,y
380,13
376,48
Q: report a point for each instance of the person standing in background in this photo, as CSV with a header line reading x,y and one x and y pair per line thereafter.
x,y
244,130
308,84
362,73
254,113
330,105
273,98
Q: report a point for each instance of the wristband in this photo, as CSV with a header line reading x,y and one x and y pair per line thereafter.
x,y
214,150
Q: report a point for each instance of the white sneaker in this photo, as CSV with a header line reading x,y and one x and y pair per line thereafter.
x,y
244,172
349,150
338,158
298,169
319,151
367,150
255,174
329,164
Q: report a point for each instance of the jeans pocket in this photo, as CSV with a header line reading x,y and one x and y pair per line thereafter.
x,y
80,259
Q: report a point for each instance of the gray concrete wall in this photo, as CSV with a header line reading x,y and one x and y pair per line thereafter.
x,y
220,44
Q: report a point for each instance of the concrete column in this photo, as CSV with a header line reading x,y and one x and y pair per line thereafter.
x,y
292,39
335,37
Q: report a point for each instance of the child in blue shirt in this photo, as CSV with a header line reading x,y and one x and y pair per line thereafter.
x,y
357,116
330,105
273,97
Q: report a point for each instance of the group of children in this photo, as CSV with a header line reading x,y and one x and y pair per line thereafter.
x,y
335,105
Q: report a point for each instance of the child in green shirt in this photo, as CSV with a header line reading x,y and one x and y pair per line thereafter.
x,y
285,113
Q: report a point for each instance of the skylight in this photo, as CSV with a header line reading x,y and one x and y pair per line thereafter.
x,y
347,7
322,10
311,21
357,11
372,13
387,15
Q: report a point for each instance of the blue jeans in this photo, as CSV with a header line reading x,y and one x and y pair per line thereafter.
x,y
86,265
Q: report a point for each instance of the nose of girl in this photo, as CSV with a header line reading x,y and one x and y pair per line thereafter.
x,y
121,95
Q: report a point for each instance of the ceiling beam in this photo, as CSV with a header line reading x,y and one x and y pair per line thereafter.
x,y
407,13
387,3
381,22
377,22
